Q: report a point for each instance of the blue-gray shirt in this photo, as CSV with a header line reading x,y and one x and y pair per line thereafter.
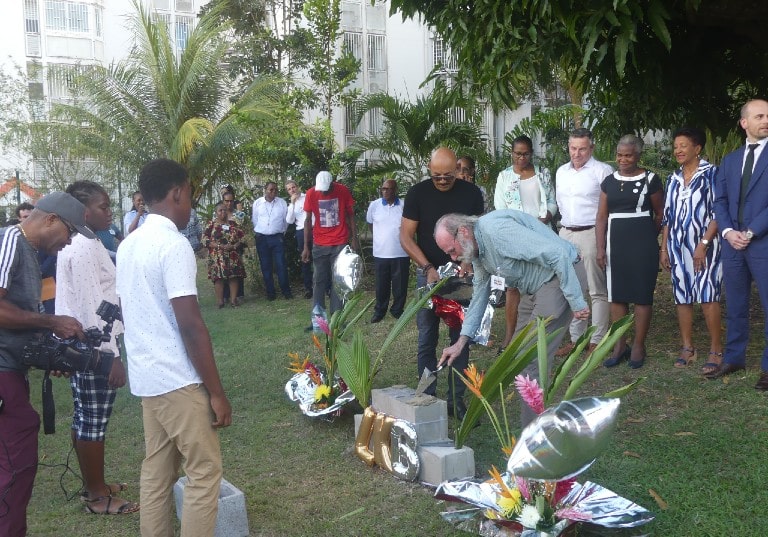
x,y
527,254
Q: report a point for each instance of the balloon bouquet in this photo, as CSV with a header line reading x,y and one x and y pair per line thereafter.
x,y
320,392
537,495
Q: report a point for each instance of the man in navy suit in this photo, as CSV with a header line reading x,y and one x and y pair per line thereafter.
x,y
741,209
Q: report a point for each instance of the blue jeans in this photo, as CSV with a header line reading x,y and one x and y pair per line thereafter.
x,y
429,331
269,247
323,258
306,268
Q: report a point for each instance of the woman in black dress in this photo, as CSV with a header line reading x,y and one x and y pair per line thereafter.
x,y
628,222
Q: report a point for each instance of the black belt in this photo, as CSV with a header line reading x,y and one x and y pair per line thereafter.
x,y
579,228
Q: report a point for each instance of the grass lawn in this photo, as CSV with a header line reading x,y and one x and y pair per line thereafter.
x,y
697,444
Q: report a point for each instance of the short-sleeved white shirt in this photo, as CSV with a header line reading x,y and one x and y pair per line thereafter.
x,y
578,192
386,220
155,264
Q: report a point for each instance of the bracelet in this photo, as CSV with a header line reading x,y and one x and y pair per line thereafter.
x,y
425,268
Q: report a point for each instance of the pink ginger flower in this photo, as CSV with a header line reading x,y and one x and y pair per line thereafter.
x,y
522,486
531,393
323,324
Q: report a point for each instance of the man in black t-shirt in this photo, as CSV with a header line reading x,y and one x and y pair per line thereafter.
x,y
425,203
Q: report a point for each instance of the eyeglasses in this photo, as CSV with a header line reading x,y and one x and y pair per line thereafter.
x,y
521,155
72,229
445,178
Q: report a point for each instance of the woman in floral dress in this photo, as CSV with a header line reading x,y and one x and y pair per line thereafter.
x,y
224,239
690,246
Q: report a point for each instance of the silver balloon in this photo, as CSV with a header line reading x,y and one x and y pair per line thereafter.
x,y
347,271
564,440
404,446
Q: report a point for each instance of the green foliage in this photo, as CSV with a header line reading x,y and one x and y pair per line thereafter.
x,y
521,351
331,72
642,64
354,358
159,103
411,131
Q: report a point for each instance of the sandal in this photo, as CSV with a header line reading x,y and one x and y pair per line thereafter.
x,y
710,367
681,362
125,509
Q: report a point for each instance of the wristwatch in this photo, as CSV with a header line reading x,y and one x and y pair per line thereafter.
x,y
750,234
705,242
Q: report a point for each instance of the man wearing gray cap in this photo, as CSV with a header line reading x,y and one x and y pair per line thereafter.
x,y
49,228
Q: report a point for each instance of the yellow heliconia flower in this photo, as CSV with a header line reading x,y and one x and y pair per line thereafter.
x,y
321,392
297,365
512,504
474,380
510,500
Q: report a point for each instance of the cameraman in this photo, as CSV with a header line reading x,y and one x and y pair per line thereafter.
x,y
49,228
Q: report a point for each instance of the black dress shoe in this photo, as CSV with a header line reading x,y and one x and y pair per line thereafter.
x,y
762,383
616,360
723,370
376,318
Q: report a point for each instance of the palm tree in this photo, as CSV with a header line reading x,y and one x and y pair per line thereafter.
x,y
411,131
156,103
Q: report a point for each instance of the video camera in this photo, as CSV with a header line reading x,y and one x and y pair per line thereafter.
x,y
51,353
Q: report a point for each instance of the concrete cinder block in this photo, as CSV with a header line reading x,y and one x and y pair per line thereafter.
x,y
445,463
427,414
232,519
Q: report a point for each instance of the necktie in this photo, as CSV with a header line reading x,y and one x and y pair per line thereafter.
x,y
746,175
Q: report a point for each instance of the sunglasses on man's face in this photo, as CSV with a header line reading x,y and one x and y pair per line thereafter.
x,y
72,229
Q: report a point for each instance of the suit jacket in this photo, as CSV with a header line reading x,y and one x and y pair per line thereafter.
x,y
727,189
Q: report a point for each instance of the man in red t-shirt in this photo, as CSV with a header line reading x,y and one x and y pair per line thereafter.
x,y
332,206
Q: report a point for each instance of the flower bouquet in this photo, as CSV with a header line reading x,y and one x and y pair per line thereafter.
x,y
537,495
323,392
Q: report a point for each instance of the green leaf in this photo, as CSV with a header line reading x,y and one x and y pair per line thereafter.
x,y
621,392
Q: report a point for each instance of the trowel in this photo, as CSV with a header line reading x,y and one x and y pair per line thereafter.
x,y
427,379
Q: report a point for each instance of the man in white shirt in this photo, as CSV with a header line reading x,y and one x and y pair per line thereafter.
x,y
578,193
296,215
170,359
269,225
391,262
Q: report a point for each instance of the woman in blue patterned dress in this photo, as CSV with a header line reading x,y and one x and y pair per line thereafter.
x,y
690,246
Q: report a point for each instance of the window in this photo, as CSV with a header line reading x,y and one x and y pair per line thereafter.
x,y
376,52
375,121
183,5
164,18
31,17
183,29
66,16
78,17
350,128
61,81
442,56
353,43
55,15
97,14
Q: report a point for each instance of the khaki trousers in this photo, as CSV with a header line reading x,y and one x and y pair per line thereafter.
x,y
177,425
596,281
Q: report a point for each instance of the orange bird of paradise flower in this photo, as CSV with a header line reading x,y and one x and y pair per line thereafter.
x,y
474,380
